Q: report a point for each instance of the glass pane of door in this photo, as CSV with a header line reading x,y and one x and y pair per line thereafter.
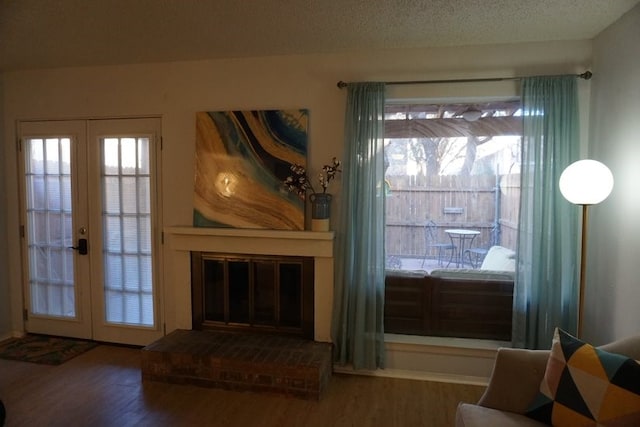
x,y
126,222
49,227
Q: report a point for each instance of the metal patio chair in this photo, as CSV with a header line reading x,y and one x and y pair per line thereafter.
x,y
476,255
431,242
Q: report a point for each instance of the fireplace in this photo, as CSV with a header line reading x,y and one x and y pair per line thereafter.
x,y
261,244
276,269
257,293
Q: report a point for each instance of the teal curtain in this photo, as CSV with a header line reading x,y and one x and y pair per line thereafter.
x,y
546,286
358,311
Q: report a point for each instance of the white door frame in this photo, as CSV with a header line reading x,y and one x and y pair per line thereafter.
x,y
86,218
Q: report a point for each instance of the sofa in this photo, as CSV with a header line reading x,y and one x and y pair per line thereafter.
x,y
498,264
515,382
452,302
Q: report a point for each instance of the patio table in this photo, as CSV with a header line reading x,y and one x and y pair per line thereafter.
x,y
464,237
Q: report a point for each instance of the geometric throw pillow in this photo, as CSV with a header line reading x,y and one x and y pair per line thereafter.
x,y
585,386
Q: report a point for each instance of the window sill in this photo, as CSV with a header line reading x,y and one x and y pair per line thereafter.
x,y
455,360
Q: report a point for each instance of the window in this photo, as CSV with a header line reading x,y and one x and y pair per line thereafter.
x,y
449,172
449,167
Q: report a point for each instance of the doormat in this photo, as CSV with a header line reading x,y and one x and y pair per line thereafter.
x,y
44,349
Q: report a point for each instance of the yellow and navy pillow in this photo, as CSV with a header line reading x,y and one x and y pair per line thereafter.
x,y
586,386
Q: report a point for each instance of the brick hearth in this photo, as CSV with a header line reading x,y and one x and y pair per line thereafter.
x,y
240,361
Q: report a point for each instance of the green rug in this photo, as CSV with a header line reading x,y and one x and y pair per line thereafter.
x,y
44,349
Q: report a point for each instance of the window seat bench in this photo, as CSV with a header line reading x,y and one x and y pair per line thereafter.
x,y
417,303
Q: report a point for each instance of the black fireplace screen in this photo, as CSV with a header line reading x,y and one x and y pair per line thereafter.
x,y
260,293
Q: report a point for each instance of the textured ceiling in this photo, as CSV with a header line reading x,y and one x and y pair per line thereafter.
x,y
39,33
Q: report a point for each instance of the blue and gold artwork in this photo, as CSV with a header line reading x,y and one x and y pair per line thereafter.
x,y
242,159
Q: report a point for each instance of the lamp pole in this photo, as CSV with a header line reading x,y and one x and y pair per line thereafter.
x,y
583,266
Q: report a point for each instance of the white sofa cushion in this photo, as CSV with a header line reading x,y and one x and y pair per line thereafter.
x,y
469,415
499,259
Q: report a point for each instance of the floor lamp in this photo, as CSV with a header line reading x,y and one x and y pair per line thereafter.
x,y
585,182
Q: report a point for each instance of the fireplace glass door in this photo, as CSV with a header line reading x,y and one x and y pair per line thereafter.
x,y
260,293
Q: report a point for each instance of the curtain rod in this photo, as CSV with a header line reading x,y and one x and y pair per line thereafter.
x,y
586,75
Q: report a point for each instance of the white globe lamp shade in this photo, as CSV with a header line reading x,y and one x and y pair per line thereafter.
x,y
586,182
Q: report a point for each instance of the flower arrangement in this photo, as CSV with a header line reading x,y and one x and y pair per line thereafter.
x,y
300,183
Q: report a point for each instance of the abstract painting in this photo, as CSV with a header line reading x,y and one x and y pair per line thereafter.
x,y
242,159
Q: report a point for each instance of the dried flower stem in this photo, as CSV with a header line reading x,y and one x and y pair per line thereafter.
x,y
298,182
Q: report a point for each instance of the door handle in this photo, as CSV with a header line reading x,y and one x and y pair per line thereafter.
x,y
82,247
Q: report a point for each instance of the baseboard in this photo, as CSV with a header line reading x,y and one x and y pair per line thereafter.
x,y
415,375
453,360
12,334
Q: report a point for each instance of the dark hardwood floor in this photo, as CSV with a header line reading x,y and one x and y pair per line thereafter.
x,y
103,388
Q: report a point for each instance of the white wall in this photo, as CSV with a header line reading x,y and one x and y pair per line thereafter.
x,y
613,272
175,91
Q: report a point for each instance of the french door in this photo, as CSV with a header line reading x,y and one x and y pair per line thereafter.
x,y
90,228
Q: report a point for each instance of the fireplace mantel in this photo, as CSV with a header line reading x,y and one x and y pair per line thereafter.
x,y
316,244
253,241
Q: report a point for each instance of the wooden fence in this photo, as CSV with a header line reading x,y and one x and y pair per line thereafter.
x,y
478,202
